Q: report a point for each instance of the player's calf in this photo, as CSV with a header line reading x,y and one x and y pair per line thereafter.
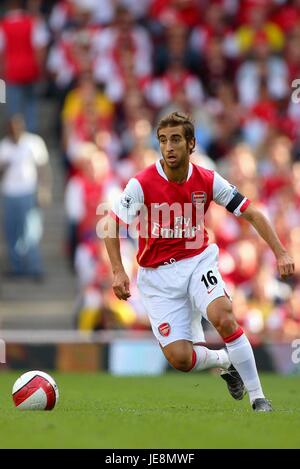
x,y
185,356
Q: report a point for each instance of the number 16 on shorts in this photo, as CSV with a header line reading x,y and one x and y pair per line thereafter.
x,y
210,281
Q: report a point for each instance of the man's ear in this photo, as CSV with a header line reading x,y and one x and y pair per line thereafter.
x,y
192,144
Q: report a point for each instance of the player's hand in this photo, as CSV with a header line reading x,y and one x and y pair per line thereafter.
x,y
286,265
121,285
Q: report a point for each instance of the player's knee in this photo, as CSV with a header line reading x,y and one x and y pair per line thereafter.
x,y
226,323
180,355
181,362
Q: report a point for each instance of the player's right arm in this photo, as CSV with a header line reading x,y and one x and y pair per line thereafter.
x,y
120,278
124,211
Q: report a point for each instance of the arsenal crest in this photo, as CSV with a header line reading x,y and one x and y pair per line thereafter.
x,y
164,329
199,198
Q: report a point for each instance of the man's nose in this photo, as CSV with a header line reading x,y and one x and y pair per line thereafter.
x,y
169,145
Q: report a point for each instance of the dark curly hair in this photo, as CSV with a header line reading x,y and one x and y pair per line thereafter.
x,y
177,118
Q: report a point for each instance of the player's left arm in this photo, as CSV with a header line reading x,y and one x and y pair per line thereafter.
x,y
227,195
264,228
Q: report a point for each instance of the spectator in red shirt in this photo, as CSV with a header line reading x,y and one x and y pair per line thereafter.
x,y
23,38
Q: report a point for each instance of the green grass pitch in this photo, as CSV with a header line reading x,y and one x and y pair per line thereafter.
x,y
170,411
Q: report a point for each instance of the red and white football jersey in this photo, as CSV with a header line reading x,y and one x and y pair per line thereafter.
x,y
170,214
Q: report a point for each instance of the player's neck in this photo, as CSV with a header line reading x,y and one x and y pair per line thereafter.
x,y
178,175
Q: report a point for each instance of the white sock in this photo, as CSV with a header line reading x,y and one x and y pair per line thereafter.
x,y
241,356
206,358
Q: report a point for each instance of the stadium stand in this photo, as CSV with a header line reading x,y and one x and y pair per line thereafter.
x,y
106,72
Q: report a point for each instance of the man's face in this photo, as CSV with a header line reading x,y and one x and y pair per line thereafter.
x,y
174,147
16,127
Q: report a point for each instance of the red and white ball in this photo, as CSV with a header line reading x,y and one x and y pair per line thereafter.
x,y
35,390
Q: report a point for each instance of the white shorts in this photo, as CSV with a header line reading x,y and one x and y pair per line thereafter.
x,y
176,295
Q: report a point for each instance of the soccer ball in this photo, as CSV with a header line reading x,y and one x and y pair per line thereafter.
x,y
35,390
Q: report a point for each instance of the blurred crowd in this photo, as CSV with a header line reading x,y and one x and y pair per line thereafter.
x,y
114,68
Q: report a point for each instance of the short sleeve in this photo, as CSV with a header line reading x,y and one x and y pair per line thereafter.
x,y
2,40
2,153
128,204
38,148
5,151
227,195
40,34
74,200
41,152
